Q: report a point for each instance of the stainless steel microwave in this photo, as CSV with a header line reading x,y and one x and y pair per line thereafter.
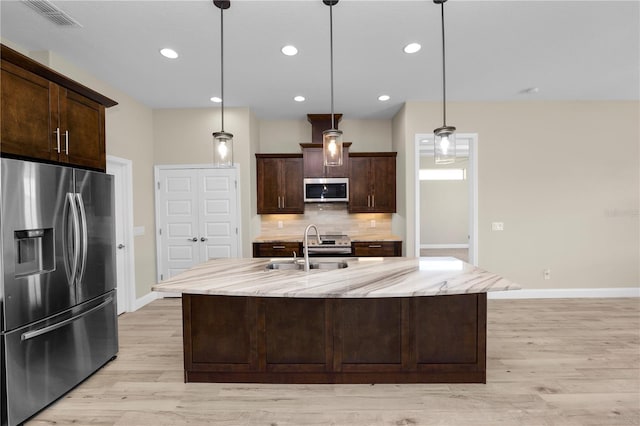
x,y
325,190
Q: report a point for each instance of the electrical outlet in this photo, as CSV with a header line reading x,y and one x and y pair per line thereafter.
x,y
497,226
280,224
372,223
547,274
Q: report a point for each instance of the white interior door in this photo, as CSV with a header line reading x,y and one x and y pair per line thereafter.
x,y
197,217
125,286
179,233
218,213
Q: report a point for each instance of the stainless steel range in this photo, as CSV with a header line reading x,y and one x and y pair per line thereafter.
x,y
330,245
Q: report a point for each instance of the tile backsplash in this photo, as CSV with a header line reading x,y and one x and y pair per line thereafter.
x,y
330,218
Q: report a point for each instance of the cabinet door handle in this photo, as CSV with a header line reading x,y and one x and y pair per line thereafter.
x,y
278,247
283,202
373,200
57,133
278,201
194,239
368,200
375,246
66,142
203,239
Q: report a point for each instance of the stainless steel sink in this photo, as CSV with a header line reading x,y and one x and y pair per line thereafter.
x,y
291,266
328,265
284,266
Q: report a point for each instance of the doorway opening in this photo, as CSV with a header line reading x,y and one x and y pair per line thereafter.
x,y
121,169
447,200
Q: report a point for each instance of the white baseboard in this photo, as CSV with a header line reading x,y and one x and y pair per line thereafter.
x,y
146,299
444,246
569,293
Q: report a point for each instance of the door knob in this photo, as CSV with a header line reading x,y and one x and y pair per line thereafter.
x,y
120,246
194,239
203,239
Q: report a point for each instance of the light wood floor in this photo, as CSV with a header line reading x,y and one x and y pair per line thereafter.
x,y
550,362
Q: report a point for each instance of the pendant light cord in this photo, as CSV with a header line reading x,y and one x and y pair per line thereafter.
x,y
333,124
444,74
222,66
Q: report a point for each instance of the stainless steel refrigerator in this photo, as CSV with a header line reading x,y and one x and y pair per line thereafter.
x,y
57,295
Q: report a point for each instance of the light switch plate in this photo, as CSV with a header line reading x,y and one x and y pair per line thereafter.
x,y
497,226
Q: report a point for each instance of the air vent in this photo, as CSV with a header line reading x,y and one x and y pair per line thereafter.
x,y
52,12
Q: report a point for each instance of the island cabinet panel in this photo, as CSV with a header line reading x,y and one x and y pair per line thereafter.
x,y
296,334
369,332
453,332
431,339
220,334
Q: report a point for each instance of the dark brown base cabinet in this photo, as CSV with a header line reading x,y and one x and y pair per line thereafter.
x,y
436,339
277,249
376,248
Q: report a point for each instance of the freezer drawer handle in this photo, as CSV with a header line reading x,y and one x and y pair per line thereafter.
x,y
45,330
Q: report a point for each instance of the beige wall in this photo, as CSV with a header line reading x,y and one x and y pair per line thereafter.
x,y
565,185
285,136
128,128
183,136
444,207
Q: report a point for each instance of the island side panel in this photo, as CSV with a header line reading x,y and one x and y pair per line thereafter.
x,y
435,339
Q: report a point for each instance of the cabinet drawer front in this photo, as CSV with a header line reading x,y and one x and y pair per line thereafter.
x,y
377,248
277,249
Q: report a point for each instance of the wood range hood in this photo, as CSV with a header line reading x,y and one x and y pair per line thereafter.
x,y
320,123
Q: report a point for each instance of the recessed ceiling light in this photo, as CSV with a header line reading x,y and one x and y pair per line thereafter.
x,y
216,99
289,50
384,98
299,98
412,48
169,53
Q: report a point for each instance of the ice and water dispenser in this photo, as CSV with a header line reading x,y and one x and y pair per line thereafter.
x,y
35,252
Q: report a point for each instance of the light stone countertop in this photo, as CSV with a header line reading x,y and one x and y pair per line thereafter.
x,y
298,238
363,278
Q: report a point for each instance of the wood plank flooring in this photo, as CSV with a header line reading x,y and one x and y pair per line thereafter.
x,y
549,362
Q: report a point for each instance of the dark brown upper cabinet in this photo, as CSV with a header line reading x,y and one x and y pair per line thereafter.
x,y
372,182
279,183
46,116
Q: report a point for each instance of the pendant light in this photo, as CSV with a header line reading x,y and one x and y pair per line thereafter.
x,y
222,141
445,136
332,138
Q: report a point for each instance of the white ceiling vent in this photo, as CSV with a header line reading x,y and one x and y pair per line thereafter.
x,y
52,12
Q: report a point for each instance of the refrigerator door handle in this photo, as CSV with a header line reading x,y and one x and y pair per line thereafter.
x,y
85,242
76,240
44,330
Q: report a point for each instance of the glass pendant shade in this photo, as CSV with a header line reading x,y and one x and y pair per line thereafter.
x,y
223,149
332,147
445,145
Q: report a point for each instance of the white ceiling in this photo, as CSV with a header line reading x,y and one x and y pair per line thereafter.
x,y
571,50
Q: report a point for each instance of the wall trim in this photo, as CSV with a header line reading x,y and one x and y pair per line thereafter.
x,y
569,293
444,246
146,299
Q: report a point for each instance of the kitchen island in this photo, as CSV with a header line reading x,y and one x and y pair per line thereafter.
x,y
379,320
